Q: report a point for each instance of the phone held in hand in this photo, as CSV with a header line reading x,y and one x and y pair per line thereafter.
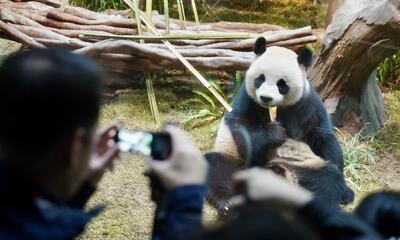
x,y
154,144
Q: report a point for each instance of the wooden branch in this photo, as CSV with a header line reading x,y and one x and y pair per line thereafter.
x,y
270,37
127,62
43,33
32,5
66,17
155,52
66,25
21,37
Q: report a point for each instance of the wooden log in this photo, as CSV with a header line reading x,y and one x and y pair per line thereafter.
x,y
66,17
58,43
66,25
361,35
9,15
127,62
32,5
36,30
295,42
75,33
270,37
84,13
43,33
19,36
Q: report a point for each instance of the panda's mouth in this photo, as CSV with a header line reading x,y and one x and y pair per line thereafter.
x,y
267,105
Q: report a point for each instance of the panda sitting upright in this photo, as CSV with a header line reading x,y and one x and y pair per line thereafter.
x,y
277,77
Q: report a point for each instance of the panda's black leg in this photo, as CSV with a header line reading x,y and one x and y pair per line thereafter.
x,y
327,183
219,182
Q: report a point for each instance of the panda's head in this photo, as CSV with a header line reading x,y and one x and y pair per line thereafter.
x,y
277,76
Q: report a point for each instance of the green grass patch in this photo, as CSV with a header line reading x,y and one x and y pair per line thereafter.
x,y
388,72
388,138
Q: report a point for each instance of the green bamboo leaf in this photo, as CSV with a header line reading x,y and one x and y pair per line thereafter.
x,y
206,97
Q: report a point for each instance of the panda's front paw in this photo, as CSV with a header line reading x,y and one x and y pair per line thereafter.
x,y
276,134
347,195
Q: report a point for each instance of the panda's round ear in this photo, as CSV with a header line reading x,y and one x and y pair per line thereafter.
x,y
260,46
305,57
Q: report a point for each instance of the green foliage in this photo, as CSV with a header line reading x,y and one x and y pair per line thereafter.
x,y
206,110
357,154
388,138
388,72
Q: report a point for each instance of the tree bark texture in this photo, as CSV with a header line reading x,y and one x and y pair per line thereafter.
x,y
362,34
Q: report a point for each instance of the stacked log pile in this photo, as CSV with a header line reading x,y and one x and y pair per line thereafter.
x,y
44,23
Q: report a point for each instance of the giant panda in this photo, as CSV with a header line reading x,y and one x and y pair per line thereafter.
x,y
277,78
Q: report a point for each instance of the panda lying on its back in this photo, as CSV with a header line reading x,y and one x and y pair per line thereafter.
x,y
277,78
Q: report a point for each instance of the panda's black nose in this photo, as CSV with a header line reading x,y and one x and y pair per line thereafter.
x,y
266,99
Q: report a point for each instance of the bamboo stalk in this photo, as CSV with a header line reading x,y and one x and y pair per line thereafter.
x,y
196,15
183,14
149,9
171,37
137,17
152,99
181,24
149,81
184,61
166,14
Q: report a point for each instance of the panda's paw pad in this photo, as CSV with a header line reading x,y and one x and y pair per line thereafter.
x,y
276,133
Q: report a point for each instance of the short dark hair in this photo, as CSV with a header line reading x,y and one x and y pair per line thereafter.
x,y
45,95
382,211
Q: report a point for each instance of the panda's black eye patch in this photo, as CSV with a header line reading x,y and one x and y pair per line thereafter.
x,y
282,86
259,81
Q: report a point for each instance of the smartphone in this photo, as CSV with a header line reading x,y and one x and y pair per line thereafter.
x,y
154,144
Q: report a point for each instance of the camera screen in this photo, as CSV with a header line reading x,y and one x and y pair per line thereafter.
x,y
135,141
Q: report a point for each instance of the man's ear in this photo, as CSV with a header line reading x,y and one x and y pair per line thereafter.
x,y
305,57
260,46
75,143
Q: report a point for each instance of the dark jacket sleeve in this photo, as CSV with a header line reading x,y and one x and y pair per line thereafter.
x,y
183,211
82,196
333,223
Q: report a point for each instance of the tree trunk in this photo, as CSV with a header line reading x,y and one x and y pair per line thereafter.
x,y
363,33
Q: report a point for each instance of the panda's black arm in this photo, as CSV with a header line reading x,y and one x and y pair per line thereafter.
x,y
325,144
263,138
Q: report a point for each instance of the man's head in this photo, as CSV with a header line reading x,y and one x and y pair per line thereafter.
x,y
49,105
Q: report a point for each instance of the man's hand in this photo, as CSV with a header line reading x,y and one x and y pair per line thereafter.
x,y
185,166
264,185
104,153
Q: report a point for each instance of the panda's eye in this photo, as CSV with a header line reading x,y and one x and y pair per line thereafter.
x,y
282,86
259,81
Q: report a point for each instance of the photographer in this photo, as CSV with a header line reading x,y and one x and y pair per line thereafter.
x,y
51,154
